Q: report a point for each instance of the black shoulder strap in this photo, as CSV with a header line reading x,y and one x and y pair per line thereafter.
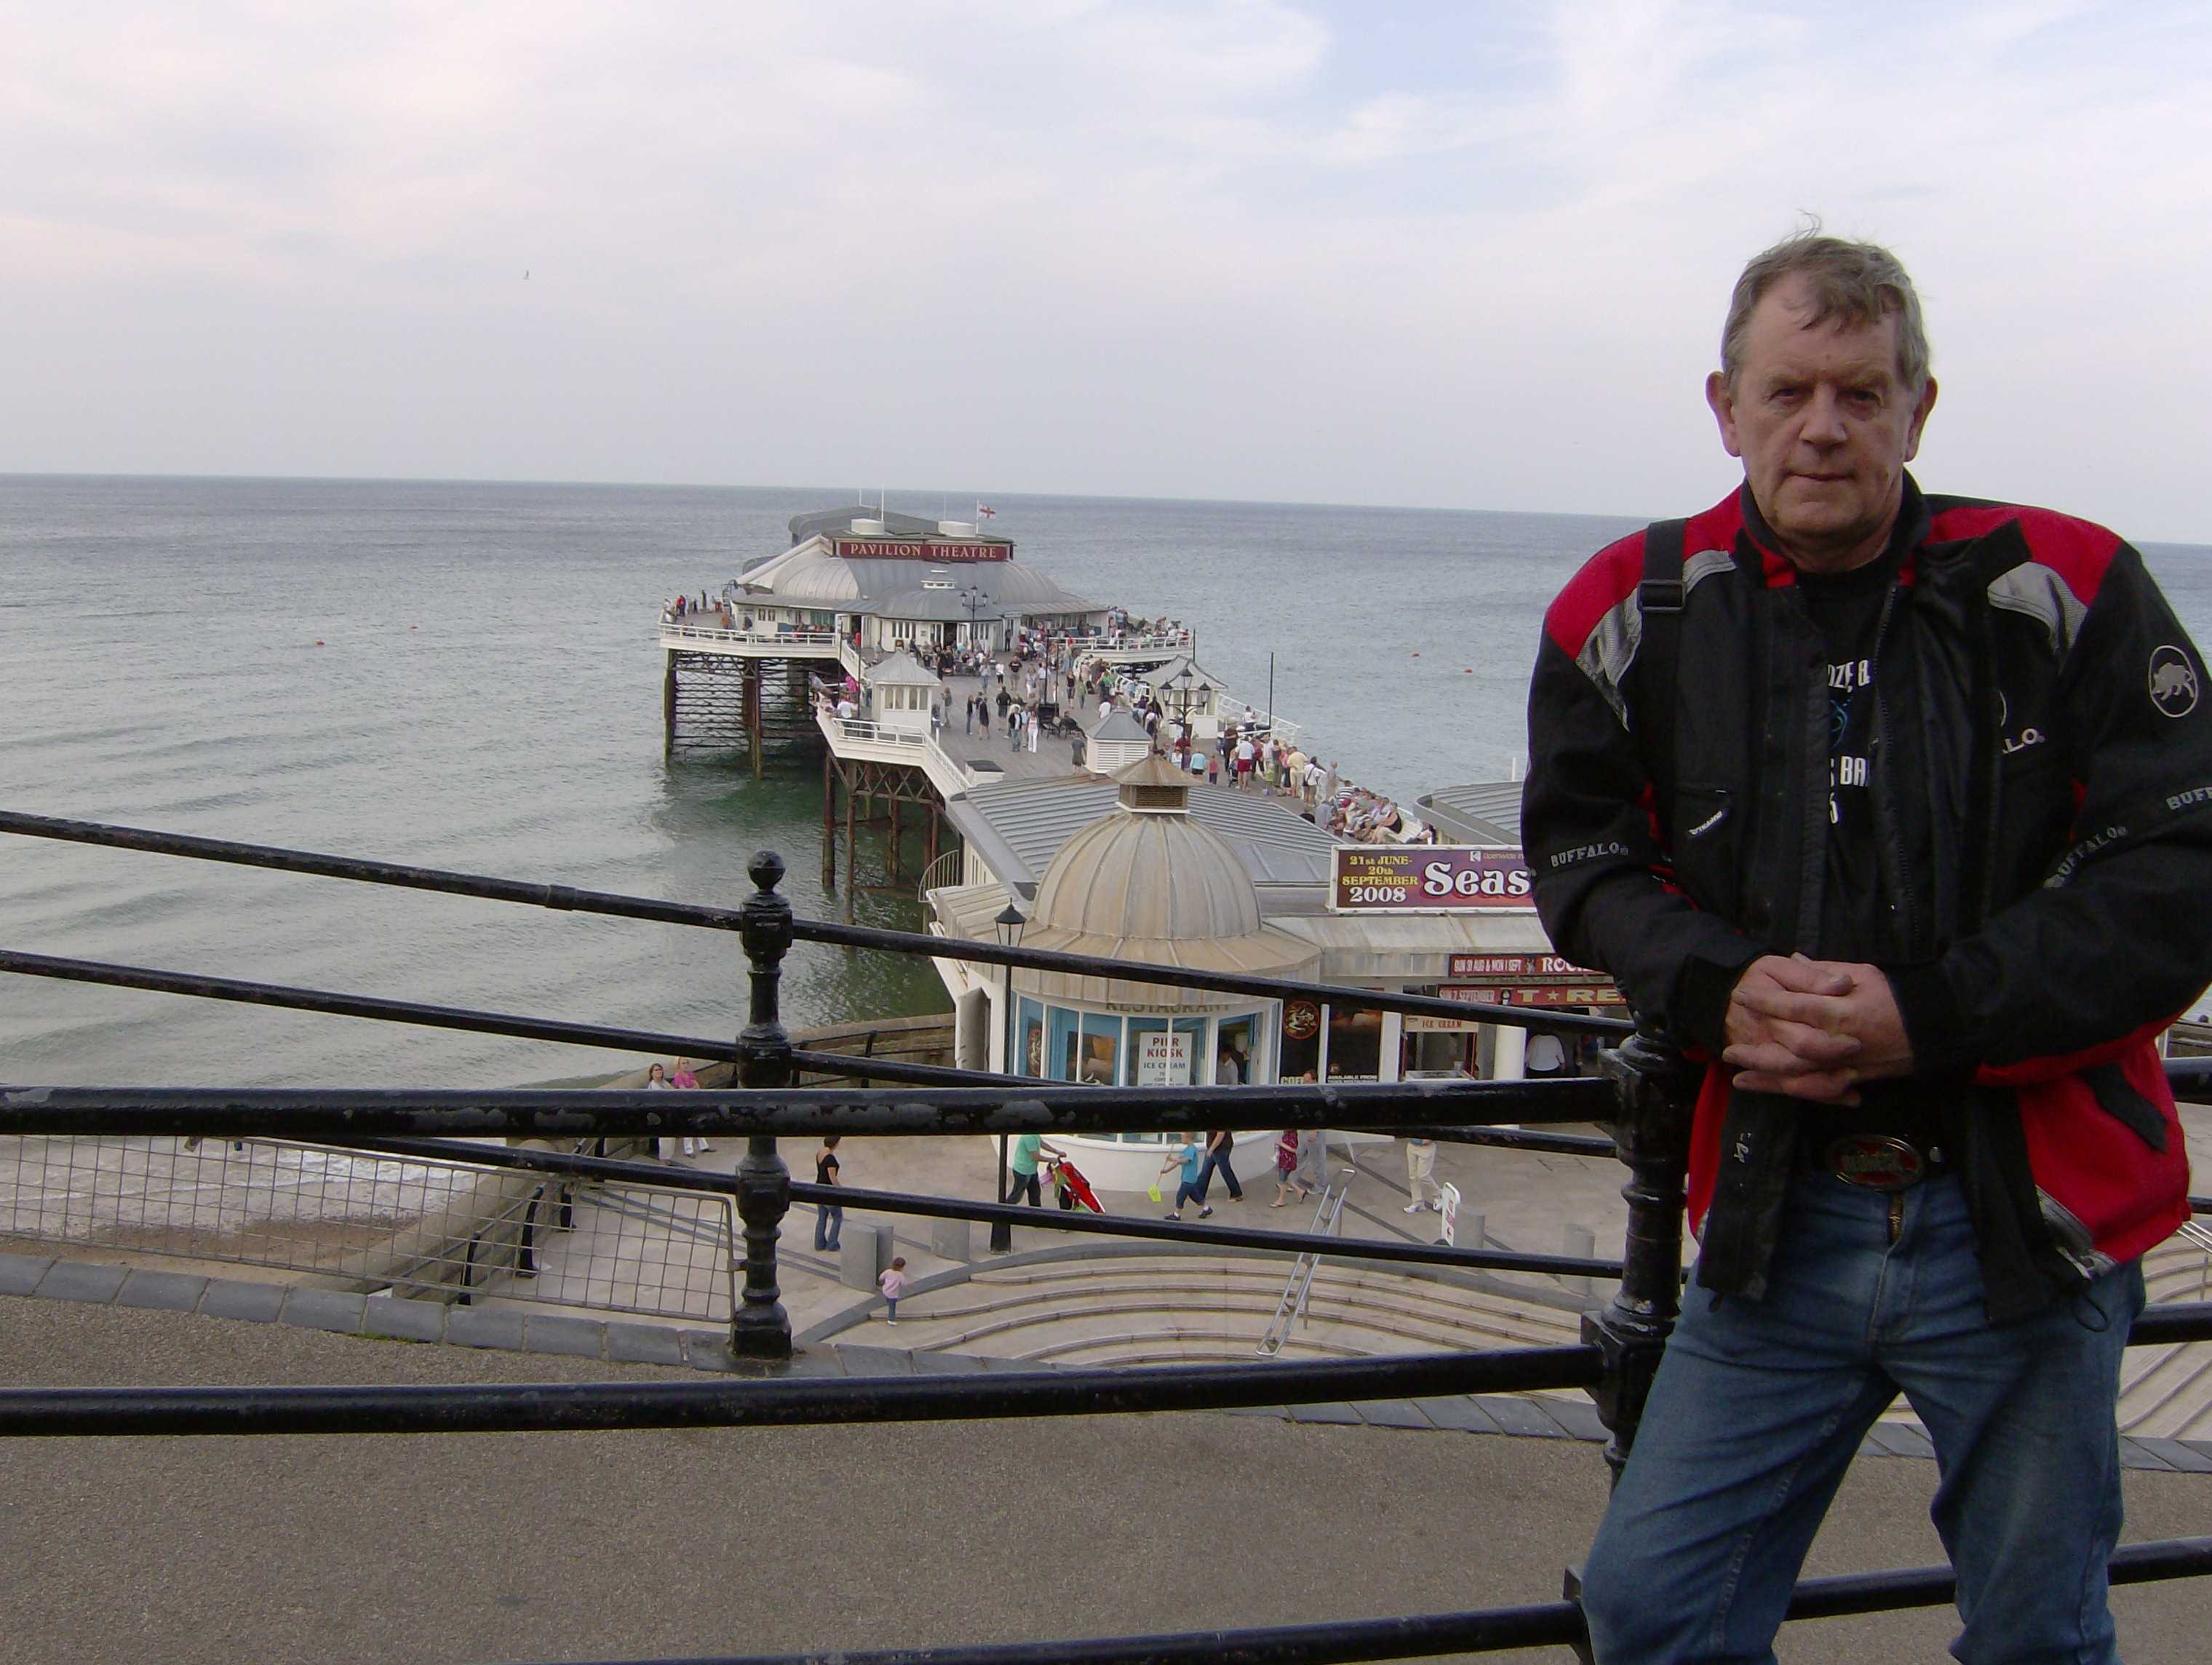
x,y
1658,654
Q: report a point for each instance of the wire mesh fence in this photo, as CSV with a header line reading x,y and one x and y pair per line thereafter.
x,y
419,1227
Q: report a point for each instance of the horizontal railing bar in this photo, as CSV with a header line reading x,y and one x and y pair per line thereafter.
x,y
788,1401
1339,996
1489,1630
331,1003
564,898
2191,1078
376,1008
337,1114
1043,1219
1514,1138
2171,1320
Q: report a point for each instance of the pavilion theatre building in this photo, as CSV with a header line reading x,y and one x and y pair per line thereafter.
x,y
1147,865
884,582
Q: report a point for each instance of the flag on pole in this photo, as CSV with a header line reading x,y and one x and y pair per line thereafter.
x,y
984,510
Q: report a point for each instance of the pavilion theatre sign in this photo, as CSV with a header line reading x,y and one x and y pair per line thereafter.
x,y
899,548
1428,878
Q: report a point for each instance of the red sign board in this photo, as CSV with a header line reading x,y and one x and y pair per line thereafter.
x,y
1428,878
1540,994
1592,991
900,548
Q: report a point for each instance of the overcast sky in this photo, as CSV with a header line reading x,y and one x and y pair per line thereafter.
x,y
1460,254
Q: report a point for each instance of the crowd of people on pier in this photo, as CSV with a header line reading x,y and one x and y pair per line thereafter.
x,y
1044,687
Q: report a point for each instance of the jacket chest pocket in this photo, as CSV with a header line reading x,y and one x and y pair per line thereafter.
x,y
1707,846
2035,810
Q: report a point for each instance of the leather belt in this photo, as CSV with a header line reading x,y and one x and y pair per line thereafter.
x,y
1879,1162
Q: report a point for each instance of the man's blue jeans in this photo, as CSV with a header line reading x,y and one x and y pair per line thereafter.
x,y
1759,1404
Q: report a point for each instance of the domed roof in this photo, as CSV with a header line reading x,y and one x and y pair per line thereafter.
x,y
1150,884
1161,877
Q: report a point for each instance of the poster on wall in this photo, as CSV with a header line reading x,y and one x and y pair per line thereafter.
x,y
1428,878
1163,1059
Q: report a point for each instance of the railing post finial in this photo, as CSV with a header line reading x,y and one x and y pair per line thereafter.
x,y
1657,1088
761,1328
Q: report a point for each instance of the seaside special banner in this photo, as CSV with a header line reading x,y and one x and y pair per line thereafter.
x,y
1427,879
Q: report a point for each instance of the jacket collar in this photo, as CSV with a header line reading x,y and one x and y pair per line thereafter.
x,y
1906,537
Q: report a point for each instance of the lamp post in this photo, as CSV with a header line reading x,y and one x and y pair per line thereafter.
x,y
974,600
1184,687
1008,925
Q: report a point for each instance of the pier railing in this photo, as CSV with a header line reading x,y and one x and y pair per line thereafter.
x,y
1644,1096
674,633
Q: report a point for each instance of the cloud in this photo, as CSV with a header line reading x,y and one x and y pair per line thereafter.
x,y
1243,248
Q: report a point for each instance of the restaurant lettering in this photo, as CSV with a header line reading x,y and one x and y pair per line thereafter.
x,y
887,549
1428,878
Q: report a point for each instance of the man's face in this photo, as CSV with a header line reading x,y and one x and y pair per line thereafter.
x,y
1824,426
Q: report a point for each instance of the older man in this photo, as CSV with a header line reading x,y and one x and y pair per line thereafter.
x,y
1898,809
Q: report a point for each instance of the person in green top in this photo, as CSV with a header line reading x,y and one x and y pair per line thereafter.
x,y
1022,1156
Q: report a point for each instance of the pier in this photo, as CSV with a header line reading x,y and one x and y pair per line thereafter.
x,y
872,624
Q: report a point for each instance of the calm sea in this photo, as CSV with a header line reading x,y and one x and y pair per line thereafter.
x,y
485,696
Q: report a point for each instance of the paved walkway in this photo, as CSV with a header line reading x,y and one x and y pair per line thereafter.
x,y
1055,755
635,1544
1529,1201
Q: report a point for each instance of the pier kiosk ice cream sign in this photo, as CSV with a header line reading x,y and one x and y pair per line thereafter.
x,y
1428,878
1163,1060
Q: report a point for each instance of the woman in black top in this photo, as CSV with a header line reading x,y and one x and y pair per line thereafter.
x,y
829,1217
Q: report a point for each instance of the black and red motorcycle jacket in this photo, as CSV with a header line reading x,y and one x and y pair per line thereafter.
x,y
2043,808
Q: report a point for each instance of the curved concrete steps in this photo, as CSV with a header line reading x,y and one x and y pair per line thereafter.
x,y
1129,1309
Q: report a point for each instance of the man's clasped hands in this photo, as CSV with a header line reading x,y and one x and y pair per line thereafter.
x,y
1815,1029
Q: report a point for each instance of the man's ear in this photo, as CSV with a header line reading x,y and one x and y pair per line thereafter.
x,y
1919,420
1723,408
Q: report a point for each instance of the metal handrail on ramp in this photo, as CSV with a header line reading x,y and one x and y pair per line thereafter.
x,y
1327,1221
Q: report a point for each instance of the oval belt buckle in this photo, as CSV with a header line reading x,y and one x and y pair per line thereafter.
x,y
1876,1162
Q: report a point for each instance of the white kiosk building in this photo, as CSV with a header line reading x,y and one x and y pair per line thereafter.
x,y
1153,866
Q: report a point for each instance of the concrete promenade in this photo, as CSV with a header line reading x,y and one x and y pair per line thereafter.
x,y
636,1544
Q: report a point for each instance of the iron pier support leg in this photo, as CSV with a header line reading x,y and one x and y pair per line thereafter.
x,y
829,823
668,706
852,842
755,730
1657,1089
761,1328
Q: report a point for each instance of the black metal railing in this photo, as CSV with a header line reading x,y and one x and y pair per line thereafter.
x,y
1644,1097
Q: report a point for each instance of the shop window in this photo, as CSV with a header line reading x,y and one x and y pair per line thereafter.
x,y
1063,1037
1193,1030
1233,1049
1355,1043
1101,1049
1028,1055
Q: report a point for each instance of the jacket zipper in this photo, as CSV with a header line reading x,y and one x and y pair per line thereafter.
x,y
1904,936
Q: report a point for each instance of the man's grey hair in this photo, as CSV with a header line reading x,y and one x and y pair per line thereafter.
x,y
1858,283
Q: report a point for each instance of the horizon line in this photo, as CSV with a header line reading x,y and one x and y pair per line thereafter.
x,y
701,485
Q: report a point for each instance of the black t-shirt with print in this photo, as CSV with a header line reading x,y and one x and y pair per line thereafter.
x,y
1846,607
